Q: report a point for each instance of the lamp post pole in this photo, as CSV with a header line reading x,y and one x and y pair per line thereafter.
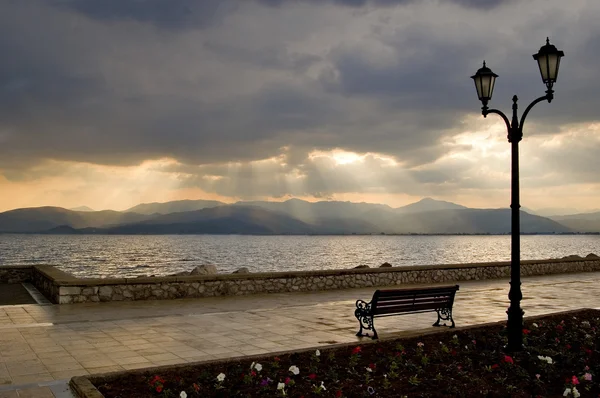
x,y
549,60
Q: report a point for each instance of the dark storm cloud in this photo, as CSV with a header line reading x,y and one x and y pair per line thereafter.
x,y
170,14
219,82
483,4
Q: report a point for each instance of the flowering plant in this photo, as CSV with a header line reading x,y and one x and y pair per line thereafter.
x,y
429,365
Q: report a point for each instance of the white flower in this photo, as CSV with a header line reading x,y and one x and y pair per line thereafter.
x,y
545,359
567,392
318,353
221,377
323,386
183,394
576,393
294,369
280,386
455,337
252,365
369,369
535,325
420,345
258,367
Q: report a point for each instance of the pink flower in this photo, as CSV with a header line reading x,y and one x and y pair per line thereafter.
x,y
287,380
574,380
587,376
508,359
537,376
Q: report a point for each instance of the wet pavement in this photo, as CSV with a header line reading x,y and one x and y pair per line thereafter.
x,y
43,346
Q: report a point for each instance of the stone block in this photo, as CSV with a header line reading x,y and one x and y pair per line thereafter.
x,y
69,290
105,291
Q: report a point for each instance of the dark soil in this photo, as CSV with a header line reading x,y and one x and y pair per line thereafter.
x,y
469,363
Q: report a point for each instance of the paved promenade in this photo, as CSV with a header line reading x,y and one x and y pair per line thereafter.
x,y
42,346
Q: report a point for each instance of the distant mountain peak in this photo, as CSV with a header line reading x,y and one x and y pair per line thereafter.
x,y
429,204
82,208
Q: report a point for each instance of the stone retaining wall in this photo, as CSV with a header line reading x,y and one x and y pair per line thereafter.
x,y
63,288
15,274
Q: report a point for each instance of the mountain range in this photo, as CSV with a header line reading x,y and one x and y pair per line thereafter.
x,y
294,216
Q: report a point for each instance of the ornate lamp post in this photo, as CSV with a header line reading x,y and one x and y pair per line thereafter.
x,y
548,59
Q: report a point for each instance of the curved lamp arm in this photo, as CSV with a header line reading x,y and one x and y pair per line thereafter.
x,y
549,96
486,112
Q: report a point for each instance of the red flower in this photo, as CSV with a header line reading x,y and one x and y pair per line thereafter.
x,y
495,366
196,387
372,366
159,388
398,354
453,352
338,393
574,380
157,378
526,331
277,359
312,376
588,351
559,328
287,380
253,373
508,359
356,350
568,346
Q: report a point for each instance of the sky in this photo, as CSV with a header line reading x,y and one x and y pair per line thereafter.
x,y
112,103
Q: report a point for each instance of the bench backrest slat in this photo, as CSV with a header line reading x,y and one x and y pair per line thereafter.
x,y
403,309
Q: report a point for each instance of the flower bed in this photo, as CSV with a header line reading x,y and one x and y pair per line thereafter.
x,y
561,358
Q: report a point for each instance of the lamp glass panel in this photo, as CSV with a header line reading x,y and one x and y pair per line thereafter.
x,y
492,82
477,80
553,60
543,62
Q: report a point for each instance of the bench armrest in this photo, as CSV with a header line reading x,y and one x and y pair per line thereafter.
x,y
363,307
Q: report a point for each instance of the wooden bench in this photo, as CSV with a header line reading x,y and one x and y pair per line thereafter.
x,y
406,301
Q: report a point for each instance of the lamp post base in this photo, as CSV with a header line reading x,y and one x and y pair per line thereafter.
x,y
514,327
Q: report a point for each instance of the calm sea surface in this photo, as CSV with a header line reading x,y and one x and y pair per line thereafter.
x,y
130,255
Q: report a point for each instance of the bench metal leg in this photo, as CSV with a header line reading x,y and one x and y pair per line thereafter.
x,y
444,314
365,319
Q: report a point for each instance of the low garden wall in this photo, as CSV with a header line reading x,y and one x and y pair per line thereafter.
x,y
62,288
